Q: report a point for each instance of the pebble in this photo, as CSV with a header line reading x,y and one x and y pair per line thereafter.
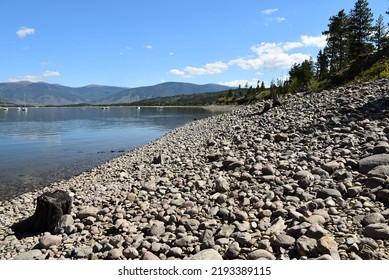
x,y
377,231
207,254
148,256
261,254
48,240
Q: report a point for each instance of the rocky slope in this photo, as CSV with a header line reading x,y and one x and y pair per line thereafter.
x,y
306,180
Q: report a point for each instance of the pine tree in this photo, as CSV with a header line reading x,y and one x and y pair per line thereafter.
x,y
380,34
262,86
360,29
322,65
301,74
337,34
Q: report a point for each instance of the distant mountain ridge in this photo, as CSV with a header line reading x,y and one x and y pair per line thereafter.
x,y
41,94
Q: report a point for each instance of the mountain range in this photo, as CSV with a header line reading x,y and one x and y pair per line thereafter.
x,y
43,94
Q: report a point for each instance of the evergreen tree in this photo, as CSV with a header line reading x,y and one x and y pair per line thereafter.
x,y
380,34
337,34
360,29
301,74
322,65
262,86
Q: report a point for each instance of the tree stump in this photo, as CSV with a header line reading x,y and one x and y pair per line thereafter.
x,y
49,209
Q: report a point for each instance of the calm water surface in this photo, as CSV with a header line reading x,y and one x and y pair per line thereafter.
x,y
44,145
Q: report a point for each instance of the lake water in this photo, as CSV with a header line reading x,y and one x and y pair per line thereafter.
x,y
44,145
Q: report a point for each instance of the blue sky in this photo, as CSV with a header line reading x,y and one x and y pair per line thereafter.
x,y
144,42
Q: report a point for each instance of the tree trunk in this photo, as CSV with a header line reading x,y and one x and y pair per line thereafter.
x,y
49,209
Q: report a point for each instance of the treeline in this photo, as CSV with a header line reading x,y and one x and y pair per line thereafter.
x,y
353,39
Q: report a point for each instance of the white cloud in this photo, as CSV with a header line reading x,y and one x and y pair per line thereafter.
x,y
242,83
267,56
279,19
171,53
177,72
28,78
269,11
35,78
24,31
149,47
51,74
275,56
312,41
208,69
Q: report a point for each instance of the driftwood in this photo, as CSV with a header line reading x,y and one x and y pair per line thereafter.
x,y
49,209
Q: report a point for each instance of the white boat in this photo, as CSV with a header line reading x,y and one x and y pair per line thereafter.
x,y
24,109
4,109
138,107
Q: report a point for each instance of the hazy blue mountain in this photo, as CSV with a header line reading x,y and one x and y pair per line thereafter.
x,y
53,94
164,89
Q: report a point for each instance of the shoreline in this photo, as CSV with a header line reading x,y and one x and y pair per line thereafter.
x,y
248,184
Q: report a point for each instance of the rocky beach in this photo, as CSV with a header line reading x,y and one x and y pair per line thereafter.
x,y
305,180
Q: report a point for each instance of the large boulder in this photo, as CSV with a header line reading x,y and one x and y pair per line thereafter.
x,y
368,163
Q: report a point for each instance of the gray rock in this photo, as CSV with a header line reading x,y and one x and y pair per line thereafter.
x,y
175,252
48,240
368,163
66,221
241,215
330,166
221,184
381,148
233,250
304,178
207,254
226,230
381,171
34,254
115,254
306,246
184,241
374,182
385,213
328,245
149,186
318,219
377,231
130,253
261,254
268,169
372,218
277,226
157,229
383,195
243,238
284,241
190,224
324,193
207,240
280,137
316,231
148,256
82,252
87,212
